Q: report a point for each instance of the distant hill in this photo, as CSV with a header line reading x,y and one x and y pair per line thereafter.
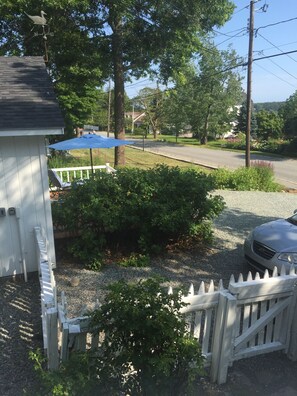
x,y
269,106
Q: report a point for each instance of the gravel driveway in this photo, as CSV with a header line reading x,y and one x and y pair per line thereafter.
x,y
20,327
244,211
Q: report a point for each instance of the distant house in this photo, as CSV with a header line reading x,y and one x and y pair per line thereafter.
x,y
136,118
28,112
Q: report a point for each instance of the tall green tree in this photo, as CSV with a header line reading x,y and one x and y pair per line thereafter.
x,y
205,95
242,120
289,114
270,125
132,37
150,100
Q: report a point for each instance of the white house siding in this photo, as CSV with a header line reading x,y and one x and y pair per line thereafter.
x,y
23,185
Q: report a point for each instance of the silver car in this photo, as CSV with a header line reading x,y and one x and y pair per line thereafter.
x,y
273,244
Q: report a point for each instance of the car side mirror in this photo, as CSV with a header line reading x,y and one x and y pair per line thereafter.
x,y
295,211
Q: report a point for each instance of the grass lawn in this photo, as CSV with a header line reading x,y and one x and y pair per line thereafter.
x,y
135,158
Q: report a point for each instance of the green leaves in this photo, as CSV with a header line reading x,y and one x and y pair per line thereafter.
x,y
259,177
205,93
270,125
139,209
289,113
145,344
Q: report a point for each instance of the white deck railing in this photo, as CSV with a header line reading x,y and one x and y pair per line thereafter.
x,y
81,172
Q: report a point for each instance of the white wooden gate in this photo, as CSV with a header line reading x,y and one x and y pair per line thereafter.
x,y
255,318
248,318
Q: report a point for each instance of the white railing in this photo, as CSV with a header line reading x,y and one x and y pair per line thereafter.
x,y
248,318
48,297
81,172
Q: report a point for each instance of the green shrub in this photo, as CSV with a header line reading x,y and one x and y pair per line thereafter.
x,y
237,143
136,208
135,260
146,349
75,377
290,148
259,176
271,146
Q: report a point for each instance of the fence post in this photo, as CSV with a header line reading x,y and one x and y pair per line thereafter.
x,y
222,341
217,337
292,350
227,338
52,338
64,342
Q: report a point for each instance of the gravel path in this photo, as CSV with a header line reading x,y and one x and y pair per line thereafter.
x,y
20,332
20,325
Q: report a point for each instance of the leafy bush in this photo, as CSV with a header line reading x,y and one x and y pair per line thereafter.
x,y
257,177
237,143
136,208
270,146
291,148
273,146
146,349
74,377
136,260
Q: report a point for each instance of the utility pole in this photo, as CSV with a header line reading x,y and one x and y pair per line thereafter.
x,y
249,87
132,126
109,107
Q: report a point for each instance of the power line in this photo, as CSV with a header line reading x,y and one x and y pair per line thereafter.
x,y
228,33
138,82
275,75
275,55
244,64
275,46
235,36
280,67
278,47
241,9
274,24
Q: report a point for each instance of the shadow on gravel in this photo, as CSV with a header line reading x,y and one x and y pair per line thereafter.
x,y
224,258
238,223
20,332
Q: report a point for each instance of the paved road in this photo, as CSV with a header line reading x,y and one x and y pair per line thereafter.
x,y
285,169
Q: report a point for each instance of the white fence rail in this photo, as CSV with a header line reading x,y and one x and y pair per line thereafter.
x,y
81,172
48,299
248,318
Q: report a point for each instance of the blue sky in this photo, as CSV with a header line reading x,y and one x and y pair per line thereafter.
x,y
274,79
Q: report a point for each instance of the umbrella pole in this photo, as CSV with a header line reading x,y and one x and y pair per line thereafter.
x,y
91,157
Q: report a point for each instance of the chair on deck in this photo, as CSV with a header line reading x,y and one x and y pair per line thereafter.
x,y
56,181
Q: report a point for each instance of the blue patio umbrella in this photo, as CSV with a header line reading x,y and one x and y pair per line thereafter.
x,y
89,141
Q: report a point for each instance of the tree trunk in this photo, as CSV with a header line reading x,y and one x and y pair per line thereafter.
x,y
203,139
119,89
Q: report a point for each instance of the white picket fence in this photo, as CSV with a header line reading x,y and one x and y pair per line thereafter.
x,y
48,298
248,318
81,172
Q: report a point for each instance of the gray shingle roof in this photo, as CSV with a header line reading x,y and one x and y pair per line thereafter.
x,y
27,99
